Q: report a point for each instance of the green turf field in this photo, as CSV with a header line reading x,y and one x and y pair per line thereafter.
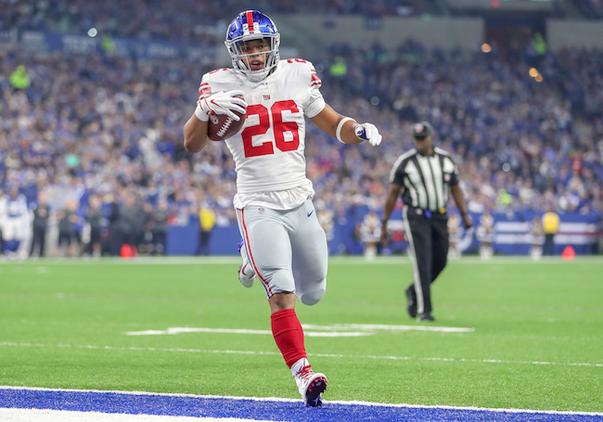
x,y
537,341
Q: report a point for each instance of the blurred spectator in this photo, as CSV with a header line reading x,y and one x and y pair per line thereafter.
x,y
536,235
485,235
95,222
19,79
69,237
131,224
207,222
14,219
325,217
115,235
41,214
550,227
146,245
454,236
159,221
370,234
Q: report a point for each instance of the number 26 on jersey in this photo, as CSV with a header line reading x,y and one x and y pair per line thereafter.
x,y
279,128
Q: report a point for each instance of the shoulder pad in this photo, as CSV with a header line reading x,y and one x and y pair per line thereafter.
x,y
305,69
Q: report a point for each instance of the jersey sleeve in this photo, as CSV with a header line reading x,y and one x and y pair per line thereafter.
x,y
204,87
397,174
313,102
452,170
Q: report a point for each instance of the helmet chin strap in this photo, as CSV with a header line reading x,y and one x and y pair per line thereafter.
x,y
255,75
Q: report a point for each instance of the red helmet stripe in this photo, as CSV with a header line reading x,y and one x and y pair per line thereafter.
x,y
250,20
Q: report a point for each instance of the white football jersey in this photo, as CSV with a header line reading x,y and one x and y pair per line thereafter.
x,y
269,149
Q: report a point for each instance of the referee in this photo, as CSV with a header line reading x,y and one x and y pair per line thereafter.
x,y
425,176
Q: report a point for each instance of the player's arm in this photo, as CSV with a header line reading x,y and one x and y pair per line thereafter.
x,y
195,129
346,129
195,134
390,203
457,195
459,200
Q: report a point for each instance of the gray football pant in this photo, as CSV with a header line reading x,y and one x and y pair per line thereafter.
x,y
287,249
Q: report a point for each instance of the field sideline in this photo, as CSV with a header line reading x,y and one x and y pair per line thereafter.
x,y
530,338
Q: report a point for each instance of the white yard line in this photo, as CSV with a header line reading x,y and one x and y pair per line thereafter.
x,y
323,355
187,330
310,330
279,399
46,415
389,328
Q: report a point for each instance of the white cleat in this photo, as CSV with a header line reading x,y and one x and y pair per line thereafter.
x,y
246,272
310,384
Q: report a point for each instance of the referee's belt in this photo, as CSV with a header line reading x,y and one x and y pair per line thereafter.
x,y
427,212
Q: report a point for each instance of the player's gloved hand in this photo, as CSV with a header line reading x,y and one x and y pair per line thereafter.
x,y
221,103
467,221
368,132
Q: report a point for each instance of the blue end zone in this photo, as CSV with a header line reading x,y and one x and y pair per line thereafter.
x,y
218,407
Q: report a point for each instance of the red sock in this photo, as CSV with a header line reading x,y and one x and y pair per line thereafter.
x,y
288,335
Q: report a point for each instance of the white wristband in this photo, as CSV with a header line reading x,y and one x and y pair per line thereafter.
x,y
201,114
340,126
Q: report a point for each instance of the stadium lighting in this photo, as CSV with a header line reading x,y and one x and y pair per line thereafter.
x,y
486,48
534,72
92,32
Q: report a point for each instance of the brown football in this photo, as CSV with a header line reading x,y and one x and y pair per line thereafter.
x,y
221,127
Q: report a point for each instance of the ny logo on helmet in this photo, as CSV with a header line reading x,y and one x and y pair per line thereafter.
x,y
248,26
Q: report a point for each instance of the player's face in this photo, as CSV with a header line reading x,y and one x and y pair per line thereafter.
x,y
423,145
255,53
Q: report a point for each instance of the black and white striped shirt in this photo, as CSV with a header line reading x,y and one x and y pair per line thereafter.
x,y
426,179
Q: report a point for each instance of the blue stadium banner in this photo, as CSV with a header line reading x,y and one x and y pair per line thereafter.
x,y
511,236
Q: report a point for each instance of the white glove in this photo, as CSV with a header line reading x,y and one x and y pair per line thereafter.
x,y
368,132
221,103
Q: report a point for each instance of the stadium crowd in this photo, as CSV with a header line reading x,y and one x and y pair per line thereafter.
x,y
196,22
523,142
201,22
102,143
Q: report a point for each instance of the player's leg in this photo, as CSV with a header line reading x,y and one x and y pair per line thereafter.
x,y
440,243
418,233
411,300
310,255
246,271
268,248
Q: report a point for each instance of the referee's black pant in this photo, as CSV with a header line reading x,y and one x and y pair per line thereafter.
x,y
427,233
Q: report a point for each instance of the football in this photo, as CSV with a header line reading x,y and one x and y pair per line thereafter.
x,y
221,127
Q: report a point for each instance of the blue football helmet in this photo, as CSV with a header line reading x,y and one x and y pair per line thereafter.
x,y
252,25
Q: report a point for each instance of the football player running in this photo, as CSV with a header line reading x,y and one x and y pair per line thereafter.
x,y
283,242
